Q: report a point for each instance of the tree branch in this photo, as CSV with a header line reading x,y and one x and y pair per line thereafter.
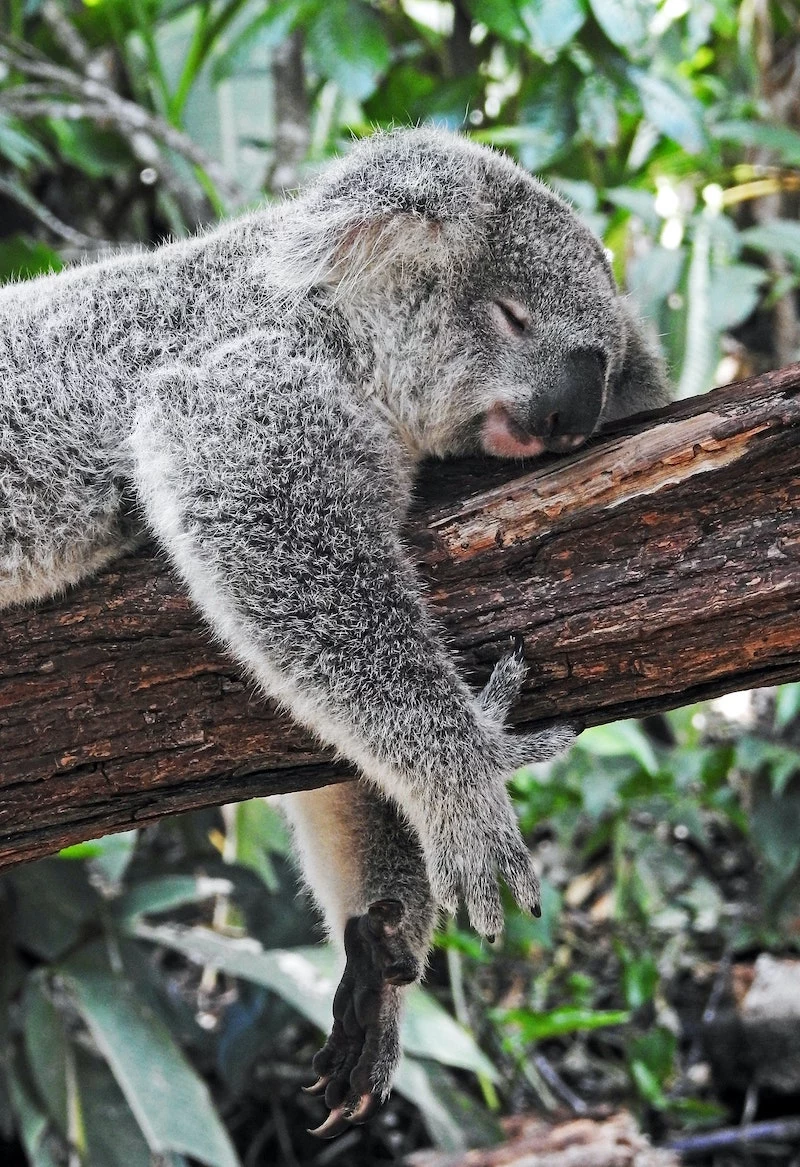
x,y
658,567
72,95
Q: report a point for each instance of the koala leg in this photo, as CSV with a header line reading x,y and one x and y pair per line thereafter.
x,y
367,871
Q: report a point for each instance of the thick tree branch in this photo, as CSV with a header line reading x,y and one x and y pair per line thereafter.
x,y
660,566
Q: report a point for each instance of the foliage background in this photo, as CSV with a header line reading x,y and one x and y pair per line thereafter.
x,y
160,997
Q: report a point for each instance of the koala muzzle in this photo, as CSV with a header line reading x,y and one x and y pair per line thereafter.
x,y
567,413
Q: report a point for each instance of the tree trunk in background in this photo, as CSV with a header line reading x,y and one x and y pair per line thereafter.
x,y
658,567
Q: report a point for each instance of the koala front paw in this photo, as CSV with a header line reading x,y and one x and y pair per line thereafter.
x,y
468,854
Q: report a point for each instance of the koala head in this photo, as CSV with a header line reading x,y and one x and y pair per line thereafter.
x,y
490,309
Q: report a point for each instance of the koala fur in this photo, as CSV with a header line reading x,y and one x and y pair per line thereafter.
x,y
258,399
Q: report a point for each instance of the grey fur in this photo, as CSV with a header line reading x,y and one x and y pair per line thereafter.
x,y
258,399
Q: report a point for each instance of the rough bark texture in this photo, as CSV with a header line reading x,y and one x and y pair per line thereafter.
x,y
658,567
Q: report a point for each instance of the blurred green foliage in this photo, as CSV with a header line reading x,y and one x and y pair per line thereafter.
x,y
133,968
138,973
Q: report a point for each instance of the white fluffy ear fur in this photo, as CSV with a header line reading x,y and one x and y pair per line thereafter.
x,y
349,253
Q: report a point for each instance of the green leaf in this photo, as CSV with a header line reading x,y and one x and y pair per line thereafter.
x,y
580,193
701,343
499,16
547,117
775,831
641,203
21,259
550,24
32,1123
675,114
525,932
109,855
115,853
754,754
624,21
111,1133
639,980
453,1120
306,978
54,902
706,904
17,146
619,738
347,44
46,1049
734,292
12,975
77,852
98,153
780,235
170,1102
597,105
783,140
406,88
647,1083
651,1058
653,276
533,1026
260,830
430,1032
787,704
269,28
167,892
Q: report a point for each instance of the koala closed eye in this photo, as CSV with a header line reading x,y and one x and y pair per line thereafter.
x,y
510,317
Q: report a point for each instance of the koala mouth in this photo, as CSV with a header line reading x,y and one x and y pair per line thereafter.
x,y
504,437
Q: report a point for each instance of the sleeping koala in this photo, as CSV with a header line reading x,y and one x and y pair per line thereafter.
x,y
258,399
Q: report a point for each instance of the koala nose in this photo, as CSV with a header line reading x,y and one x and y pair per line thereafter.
x,y
565,416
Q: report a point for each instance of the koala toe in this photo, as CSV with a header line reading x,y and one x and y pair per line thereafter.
x,y
516,868
541,747
482,898
502,690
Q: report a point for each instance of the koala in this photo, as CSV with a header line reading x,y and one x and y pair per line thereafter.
x,y
258,399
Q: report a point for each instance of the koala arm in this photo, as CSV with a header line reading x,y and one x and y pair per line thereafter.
x,y
278,507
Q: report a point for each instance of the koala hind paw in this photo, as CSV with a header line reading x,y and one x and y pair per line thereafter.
x,y
356,1065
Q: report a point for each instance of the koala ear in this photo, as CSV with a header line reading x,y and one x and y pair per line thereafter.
x,y
345,249
410,200
374,249
641,382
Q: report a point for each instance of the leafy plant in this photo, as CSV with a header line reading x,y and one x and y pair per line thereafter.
x,y
98,1027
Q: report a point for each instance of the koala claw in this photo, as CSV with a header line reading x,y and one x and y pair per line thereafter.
x,y
356,1064
318,1087
334,1125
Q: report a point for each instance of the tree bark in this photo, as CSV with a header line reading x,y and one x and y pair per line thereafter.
x,y
656,568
